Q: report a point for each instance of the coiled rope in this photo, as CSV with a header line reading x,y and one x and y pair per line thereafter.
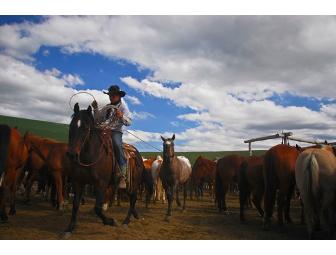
x,y
88,93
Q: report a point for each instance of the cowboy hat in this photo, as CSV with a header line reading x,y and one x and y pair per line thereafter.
x,y
115,90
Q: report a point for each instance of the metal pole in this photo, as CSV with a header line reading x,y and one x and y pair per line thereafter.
x,y
250,149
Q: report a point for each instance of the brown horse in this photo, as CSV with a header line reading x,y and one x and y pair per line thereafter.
x,y
13,156
251,181
279,174
50,156
226,174
315,174
203,171
93,162
175,171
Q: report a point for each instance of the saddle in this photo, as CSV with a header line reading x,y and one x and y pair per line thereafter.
x,y
130,152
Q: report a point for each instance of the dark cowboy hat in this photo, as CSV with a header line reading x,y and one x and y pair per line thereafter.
x,y
115,90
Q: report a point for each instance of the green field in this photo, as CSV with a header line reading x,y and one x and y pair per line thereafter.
x,y
60,132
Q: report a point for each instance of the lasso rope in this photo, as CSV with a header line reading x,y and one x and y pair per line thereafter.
x,y
80,92
88,93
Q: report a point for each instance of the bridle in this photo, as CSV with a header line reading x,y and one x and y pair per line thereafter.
x,y
166,154
81,147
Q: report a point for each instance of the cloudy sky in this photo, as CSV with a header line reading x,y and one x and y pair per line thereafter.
x,y
212,80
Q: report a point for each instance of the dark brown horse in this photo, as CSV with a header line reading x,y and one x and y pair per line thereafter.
x,y
203,171
251,181
13,156
279,175
93,162
226,174
175,171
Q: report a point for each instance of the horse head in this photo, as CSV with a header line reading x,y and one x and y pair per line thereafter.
x,y
168,146
81,124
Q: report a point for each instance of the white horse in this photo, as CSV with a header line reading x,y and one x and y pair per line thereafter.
x,y
159,193
315,174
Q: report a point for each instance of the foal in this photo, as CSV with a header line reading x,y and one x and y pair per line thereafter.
x,y
175,171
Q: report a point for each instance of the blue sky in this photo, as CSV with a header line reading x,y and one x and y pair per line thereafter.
x,y
187,86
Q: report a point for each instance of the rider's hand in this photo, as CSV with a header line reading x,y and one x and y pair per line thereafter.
x,y
94,104
118,113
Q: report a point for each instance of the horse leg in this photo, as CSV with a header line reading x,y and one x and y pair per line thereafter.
x,y
16,175
280,207
100,192
131,209
78,192
326,215
53,195
178,197
242,202
119,197
287,205
256,199
169,193
225,190
269,201
184,196
59,189
3,198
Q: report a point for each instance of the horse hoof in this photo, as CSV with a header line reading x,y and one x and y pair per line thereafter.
x,y
167,219
65,235
111,222
126,222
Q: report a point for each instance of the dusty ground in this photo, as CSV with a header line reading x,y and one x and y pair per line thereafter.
x,y
200,221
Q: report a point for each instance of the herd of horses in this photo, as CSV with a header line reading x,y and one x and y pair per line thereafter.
x,y
88,160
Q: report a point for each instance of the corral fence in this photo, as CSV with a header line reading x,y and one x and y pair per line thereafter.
x,y
285,136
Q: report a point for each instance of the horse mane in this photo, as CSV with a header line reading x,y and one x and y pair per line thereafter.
x,y
40,139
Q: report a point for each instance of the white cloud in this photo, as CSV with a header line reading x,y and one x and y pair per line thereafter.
x,y
27,92
133,100
142,115
72,80
228,66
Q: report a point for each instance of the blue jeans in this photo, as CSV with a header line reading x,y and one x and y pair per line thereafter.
x,y
117,145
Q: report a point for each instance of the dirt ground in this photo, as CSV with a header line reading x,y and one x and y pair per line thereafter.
x,y
200,221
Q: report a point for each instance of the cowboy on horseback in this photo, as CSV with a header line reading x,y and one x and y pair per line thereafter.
x,y
114,116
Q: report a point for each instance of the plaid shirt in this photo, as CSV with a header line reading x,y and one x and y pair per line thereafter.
x,y
107,116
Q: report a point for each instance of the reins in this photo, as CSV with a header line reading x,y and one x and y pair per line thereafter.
x,y
81,147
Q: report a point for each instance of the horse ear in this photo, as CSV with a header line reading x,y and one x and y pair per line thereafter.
x,y
173,138
76,108
89,109
163,139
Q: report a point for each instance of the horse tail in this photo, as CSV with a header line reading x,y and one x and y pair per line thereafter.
x,y
4,145
242,177
311,178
